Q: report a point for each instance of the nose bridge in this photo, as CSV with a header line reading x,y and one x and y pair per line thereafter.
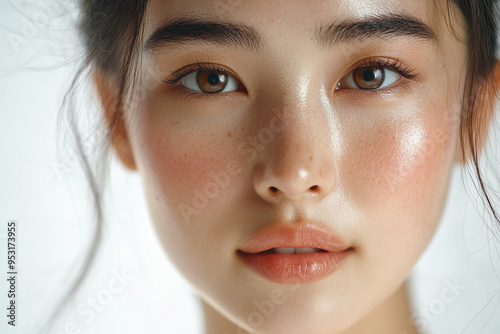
x,y
300,109
296,145
297,162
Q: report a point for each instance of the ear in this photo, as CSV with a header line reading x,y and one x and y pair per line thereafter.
x,y
481,119
114,117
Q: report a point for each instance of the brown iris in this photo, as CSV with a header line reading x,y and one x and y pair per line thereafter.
x,y
211,81
369,77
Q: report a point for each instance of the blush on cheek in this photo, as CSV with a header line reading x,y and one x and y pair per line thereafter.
x,y
409,161
406,158
182,169
178,168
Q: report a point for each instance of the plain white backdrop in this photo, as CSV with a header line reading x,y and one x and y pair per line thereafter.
x,y
133,288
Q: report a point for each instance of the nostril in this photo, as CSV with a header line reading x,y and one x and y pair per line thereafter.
x,y
273,189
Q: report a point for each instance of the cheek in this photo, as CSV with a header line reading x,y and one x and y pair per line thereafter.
x,y
402,160
179,170
180,167
401,188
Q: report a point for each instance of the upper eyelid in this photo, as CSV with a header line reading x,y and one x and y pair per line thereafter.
x,y
385,62
358,64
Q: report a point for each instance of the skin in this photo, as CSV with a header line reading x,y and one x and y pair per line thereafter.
x,y
380,160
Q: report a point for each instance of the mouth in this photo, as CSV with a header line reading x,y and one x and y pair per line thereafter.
x,y
294,253
293,250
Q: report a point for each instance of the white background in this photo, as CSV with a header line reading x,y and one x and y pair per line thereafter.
x,y
43,189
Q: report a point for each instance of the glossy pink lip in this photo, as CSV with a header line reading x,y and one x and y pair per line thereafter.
x,y
294,268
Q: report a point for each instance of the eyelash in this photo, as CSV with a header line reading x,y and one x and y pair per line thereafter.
x,y
395,65
197,66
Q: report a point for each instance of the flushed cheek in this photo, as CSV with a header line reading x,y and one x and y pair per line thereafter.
x,y
182,169
403,183
401,189
177,165
402,161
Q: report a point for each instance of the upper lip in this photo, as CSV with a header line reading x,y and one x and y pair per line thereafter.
x,y
293,236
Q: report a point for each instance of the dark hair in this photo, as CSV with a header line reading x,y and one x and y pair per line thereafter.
x,y
481,85
112,29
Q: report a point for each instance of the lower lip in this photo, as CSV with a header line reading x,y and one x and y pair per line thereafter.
x,y
295,268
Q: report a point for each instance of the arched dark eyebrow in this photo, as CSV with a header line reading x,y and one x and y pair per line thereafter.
x,y
195,30
375,26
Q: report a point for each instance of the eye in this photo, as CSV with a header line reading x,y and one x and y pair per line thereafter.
x,y
376,73
205,78
210,82
369,78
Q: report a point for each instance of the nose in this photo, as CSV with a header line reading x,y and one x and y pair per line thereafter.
x,y
298,164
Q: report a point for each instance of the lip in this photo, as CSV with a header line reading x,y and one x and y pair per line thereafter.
x,y
294,268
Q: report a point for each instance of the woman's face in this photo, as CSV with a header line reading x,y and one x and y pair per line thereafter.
x,y
337,115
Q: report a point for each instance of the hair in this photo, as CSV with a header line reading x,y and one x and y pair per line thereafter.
x,y
112,30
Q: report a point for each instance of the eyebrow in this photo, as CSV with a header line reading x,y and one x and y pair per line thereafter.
x,y
188,30
394,25
196,30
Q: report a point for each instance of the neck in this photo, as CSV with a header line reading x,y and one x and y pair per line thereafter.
x,y
391,317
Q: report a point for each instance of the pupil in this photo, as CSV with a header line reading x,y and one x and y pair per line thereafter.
x,y
368,75
213,79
